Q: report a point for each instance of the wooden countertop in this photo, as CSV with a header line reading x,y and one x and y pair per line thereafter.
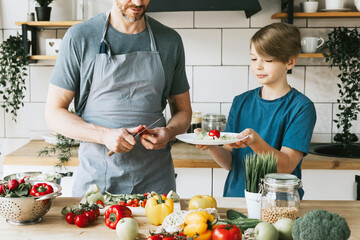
x,y
184,156
54,225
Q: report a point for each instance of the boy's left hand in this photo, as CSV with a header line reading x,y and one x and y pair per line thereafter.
x,y
252,137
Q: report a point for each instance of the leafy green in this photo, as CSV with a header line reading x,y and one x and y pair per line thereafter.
x,y
344,53
232,214
256,167
13,62
321,225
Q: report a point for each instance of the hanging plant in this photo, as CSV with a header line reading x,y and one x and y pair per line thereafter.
x,y
13,64
343,49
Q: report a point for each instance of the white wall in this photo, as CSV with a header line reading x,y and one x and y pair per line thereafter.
x,y
217,59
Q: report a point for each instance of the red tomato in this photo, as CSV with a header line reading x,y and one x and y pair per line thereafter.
x,y
81,220
122,203
169,238
143,203
214,133
100,203
154,237
91,215
226,232
70,217
96,211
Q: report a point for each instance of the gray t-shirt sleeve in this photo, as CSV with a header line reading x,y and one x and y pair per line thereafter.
x,y
66,72
179,82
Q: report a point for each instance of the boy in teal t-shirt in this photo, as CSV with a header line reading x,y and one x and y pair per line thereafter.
x,y
276,117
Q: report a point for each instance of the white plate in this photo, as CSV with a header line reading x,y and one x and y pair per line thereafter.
x,y
336,10
190,138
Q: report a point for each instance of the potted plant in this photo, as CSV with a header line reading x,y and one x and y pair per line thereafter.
x,y
13,62
343,52
256,167
43,11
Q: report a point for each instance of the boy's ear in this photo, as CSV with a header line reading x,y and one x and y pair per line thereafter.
x,y
292,61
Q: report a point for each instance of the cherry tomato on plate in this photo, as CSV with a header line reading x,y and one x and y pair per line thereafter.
x,y
214,133
154,237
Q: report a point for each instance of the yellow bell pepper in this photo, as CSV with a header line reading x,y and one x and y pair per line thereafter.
x,y
199,225
158,207
202,201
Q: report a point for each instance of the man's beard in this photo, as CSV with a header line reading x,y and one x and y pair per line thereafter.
x,y
123,8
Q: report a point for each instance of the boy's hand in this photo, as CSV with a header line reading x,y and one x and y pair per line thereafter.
x,y
252,137
202,147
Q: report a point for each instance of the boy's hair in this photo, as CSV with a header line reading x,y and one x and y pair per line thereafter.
x,y
278,41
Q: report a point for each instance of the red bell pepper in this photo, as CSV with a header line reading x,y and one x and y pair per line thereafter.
x,y
40,189
114,213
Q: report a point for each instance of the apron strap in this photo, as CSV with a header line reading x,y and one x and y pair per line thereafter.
x,y
152,40
104,45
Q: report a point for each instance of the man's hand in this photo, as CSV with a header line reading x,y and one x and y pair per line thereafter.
x,y
121,140
252,137
156,138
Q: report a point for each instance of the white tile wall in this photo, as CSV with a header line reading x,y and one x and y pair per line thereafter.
x,y
39,82
236,46
221,19
189,74
202,46
323,121
219,84
175,19
30,117
2,123
320,84
12,12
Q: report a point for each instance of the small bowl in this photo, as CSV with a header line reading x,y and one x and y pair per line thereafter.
x,y
28,210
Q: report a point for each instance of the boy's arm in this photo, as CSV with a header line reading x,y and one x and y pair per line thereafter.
x,y
288,158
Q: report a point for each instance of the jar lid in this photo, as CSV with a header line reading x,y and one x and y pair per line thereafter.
x,y
214,117
281,179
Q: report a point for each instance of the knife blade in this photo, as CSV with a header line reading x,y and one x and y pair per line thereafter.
x,y
110,153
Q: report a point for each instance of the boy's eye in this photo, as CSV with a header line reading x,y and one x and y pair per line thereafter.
x,y
253,59
268,60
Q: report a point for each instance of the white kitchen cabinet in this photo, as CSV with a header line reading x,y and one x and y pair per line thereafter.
x,y
219,178
193,181
329,184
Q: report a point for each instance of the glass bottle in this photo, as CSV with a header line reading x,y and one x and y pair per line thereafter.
x,y
195,122
280,197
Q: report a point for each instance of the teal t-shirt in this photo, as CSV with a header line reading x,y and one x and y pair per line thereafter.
x,y
287,121
75,63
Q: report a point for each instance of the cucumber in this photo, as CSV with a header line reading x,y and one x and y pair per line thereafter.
x,y
232,214
243,223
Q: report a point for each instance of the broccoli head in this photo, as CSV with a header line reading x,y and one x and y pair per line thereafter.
x,y
320,225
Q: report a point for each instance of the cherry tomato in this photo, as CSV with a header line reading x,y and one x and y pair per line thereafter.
x,y
226,232
214,133
81,220
70,217
97,211
154,237
143,203
100,203
169,238
91,215
122,203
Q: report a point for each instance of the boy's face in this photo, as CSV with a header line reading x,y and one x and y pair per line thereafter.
x,y
268,71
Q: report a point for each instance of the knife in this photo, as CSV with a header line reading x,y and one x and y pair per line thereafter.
x,y
138,133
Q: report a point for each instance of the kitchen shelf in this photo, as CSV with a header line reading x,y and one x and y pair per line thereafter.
x,y
41,24
318,15
42,57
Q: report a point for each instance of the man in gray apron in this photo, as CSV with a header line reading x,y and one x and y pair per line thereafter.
x,y
122,84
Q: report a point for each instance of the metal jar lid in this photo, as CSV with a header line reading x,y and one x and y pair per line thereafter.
x,y
214,117
281,180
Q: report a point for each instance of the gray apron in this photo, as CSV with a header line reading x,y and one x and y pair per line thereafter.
x,y
126,91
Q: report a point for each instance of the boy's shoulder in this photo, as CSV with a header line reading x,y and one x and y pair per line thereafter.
x,y
246,95
299,98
